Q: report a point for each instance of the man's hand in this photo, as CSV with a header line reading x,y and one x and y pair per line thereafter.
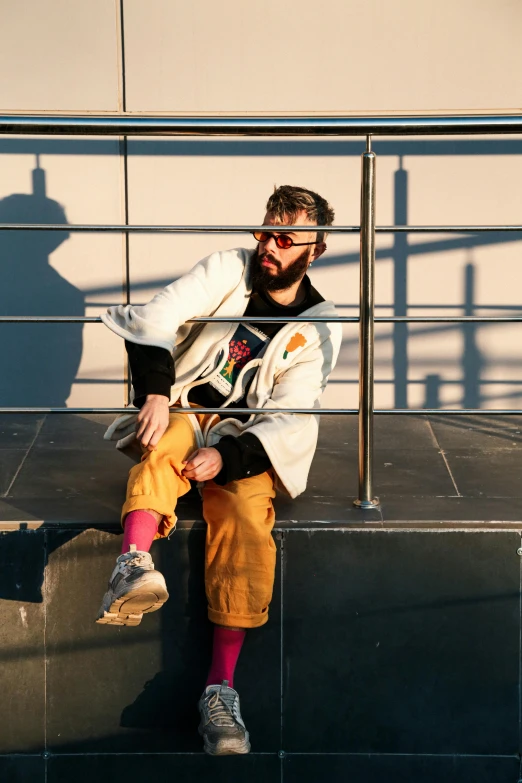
x,y
153,420
203,464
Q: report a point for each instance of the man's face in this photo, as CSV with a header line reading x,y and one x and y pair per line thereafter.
x,y
276,269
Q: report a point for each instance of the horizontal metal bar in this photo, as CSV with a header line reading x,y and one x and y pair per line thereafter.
x,y
49,319
445,229
185,229
450,319
451,412
175,229
427,306
139,125
314,411
60,319
241,411
348,319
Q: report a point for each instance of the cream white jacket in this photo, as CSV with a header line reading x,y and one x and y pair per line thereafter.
x,y
292,372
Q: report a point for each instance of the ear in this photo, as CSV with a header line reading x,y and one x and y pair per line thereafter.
x,y
318,250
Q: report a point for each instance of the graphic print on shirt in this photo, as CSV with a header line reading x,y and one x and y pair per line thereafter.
x,y
296,341
244,346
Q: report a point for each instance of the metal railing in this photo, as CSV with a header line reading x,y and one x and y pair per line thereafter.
x,y
124,125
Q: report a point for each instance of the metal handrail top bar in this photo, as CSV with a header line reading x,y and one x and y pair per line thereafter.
x,y
240,411
256,319
150,229
139,125
281,229
313,411
224,319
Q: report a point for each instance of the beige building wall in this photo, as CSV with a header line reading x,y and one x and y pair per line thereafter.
x,y
336,57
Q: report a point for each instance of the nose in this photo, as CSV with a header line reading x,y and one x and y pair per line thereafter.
x,y
272,248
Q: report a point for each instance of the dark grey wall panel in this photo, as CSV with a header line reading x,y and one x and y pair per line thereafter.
x,y
22,769
22,656
399,769
401,642
181,768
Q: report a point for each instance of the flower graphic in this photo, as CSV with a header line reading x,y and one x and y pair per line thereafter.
x,y
296,341
239,354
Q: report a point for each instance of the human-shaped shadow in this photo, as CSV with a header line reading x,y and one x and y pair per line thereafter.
x,y
186,642
39,361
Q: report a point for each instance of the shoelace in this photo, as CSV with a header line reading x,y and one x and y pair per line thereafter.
x,y
221,709
140,560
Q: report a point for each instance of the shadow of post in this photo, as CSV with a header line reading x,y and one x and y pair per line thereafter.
x,y
39,361
400,288
433,384
472,358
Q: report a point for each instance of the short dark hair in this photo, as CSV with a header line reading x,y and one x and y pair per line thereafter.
x,y
288,200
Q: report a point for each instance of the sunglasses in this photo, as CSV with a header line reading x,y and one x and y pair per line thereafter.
x,y
282,240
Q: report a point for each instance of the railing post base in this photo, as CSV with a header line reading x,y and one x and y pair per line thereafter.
x,y
367,504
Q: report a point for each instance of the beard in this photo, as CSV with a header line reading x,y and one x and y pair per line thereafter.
x,y
265,280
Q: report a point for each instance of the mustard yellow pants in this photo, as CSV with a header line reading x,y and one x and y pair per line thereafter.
x,y
240,553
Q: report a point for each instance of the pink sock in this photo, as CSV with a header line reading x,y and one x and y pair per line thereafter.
x,y
140,528
226,649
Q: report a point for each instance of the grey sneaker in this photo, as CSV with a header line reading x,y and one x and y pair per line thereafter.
x,y
222,726
134,588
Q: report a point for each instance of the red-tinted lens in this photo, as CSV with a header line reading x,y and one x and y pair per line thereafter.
x,y
283,241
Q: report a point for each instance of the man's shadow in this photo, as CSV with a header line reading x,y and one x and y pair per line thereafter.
x,y
186,643
39,361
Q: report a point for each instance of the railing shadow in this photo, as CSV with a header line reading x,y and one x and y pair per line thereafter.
x,y
51,353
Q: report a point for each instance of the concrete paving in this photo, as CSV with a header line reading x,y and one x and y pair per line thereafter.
x,y
440,469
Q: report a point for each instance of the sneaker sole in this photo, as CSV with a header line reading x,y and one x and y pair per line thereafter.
x,y
130,608
226,746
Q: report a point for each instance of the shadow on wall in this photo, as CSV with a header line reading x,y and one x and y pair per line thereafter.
x,y
473,361
39,361
23,575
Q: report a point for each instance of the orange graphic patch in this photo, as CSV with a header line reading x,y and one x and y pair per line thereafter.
x,y
296,341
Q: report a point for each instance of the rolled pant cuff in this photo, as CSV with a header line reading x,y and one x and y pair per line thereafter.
x,y
141,503
237,620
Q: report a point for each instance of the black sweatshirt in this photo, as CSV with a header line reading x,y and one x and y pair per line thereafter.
x,y
152,371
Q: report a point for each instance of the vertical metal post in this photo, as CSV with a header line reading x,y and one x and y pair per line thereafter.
x,y
366,498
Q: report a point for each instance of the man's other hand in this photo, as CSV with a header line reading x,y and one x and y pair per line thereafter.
x,y
153,420
203,464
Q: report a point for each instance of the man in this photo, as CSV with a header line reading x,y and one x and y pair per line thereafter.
x,y
239,461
